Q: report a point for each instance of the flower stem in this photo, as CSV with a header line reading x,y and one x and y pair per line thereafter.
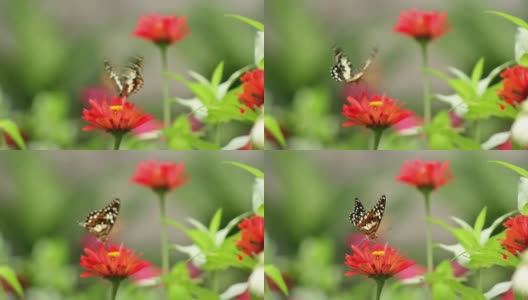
x,y
115,287
426,98
478,279
428,235
165,86
379,287
476,127
118,137
378,132
164,236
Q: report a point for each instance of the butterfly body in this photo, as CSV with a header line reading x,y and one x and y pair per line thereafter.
x,y
368,222
100,222
342,70
130,80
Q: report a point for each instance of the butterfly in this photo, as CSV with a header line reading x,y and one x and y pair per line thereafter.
x,y
368,221
100,222
342,69
130,80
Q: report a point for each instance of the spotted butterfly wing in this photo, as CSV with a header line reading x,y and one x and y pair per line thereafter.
x,y
368,222
130,80
342,70
100,222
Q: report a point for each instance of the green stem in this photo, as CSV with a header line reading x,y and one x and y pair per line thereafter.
x,y
426,98
115,287
164,236
428,235
477,130
165,86
379,287
118,137
217,135
478,279
378,132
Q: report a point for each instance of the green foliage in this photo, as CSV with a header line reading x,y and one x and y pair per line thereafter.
x,y
443,137
475,98
476,247
258,25
258,173
446,286
274,274
513,19
273,126
9,275
181,137
12,130
212,246
181,286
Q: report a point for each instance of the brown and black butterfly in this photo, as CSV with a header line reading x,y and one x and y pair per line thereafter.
x,y
100,222
368,222
342,70
130,79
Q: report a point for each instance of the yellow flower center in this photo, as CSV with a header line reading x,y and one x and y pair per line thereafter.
x,y
378,253
376,103
113,254
116,107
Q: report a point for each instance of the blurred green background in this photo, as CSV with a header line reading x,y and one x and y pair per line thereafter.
x,y
50,51
43,196
309,196
300,36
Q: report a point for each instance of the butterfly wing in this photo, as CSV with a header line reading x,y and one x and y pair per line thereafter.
x,y
358,213
100,222
357,74
115,78
371,221
131,79
342,68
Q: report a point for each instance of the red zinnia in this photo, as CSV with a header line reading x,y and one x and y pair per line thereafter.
x,y
422,25
380,261
118,116
253,89
114,262
516,240
162,176
162,29
375,111
425,174
515,85
252,235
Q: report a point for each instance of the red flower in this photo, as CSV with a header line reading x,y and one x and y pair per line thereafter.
x,y
114,262
162,29
425,174
252,235
118,116
375,111
380,261
253,89
162,176
150,129
516,240
422,25
515,85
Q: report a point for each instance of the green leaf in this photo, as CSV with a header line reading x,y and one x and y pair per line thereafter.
x,y
258,173
215,222
515,168
276,276
479,223
477,72
510,18
12,130
10,276
217,75
273,126
259,26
